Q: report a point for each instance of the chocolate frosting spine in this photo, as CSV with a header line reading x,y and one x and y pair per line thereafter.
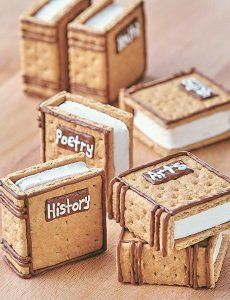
x,y
132,262
124,189
207,263
139,266
152,225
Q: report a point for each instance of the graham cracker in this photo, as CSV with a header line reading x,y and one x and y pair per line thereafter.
x,y
97,68
32,243
151,211
50,117
44,51
138,263
169,105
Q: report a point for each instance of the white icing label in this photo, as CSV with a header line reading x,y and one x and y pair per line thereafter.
x,y
194,86
128,35
168,172
75,141
65,205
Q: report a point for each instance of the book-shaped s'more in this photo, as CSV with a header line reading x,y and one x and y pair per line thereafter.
x,y
44,51
52,214
171,203
182,112
107,48
72,124
196,266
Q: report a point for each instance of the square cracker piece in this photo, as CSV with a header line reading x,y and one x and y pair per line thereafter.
x,y
51,117
195,266
183,209
165,102
31,241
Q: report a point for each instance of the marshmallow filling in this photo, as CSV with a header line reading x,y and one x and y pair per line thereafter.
x,y
51,175
217,248
202,221
121,132
105,16
51,9
185,134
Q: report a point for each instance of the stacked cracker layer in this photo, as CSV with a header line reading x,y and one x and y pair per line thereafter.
x,y
173,213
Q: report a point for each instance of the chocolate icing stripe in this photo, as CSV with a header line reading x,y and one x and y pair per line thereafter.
x,y
152,225
89,255
107,65
22,261
83,30
103,195
135,267
78,45
43,136
187,265
164,246
124,189
110,198
130,91
195,262
207,263
12,267
86,89
19,212
132,262
117,202
41,82
28,236
139,266
94,43
38,37
157,229
191,253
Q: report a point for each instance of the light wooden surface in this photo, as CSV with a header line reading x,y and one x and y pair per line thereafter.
x,y
181,34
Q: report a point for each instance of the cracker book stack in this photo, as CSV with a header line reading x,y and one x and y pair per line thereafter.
x,y
44,51
185,111
71,124
107,48
52,214
195,266
177,206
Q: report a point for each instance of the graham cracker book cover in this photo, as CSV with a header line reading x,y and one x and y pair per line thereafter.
x,y
52,214
72,124
43,45
107,48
